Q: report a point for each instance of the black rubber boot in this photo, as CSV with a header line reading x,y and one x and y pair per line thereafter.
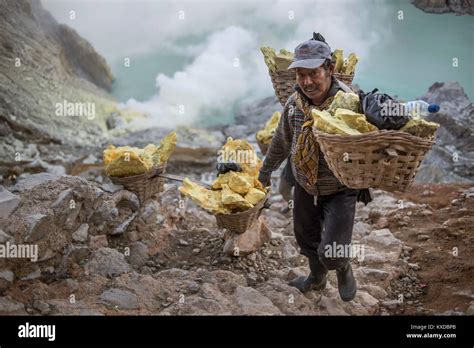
x,y
305,284
316,280
346,283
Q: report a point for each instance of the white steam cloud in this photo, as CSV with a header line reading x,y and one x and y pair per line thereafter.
x,y
227,65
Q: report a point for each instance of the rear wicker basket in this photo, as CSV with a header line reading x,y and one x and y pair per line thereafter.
x,y
385,159
283,82
143,185
241,222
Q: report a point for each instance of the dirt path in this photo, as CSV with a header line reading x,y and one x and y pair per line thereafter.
x,y
442,241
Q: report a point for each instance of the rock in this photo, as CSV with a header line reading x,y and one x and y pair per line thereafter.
x,y
382,222
138,254
422,237
81,233
33,275
150,212
8,202
182,242
42,306
255,114
383,238
123,299
4,237
111,188
375,274
445,6
390,304
252,302
454,136
296,272
39,226
108,263
332,306
114,121
289,251
249,241
121,228
6,279
32,181
38,165
8,306
97,242
64,196
470,310
361,229
193,287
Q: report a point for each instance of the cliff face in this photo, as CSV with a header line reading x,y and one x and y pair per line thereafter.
x,y
452,157
44,65
459,7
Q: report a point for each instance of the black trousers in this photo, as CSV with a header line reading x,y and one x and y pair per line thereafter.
x,y
318,225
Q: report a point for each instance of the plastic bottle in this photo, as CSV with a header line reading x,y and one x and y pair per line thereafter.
x,y
420,108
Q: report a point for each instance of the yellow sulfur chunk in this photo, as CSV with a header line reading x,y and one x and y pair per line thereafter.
x,y
421,128
234,200
126,161
355,120
324,122
208,199
166,148
352,60
221,179
254,196
338,56
283,60
240,182
265,135
241,152
269,57
342,100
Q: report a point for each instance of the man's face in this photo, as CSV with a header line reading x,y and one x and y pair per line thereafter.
x,y
315,83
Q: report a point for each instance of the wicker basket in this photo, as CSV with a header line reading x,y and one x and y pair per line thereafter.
x,y
347,79
283,82
385,159
241,222
143,185
263,147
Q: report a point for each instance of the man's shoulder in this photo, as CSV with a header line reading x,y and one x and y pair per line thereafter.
x,y
291,101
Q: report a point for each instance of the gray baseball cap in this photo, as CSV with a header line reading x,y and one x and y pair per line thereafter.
x,y
310,54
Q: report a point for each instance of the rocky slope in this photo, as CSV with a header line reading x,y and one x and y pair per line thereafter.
x,y
460,7
102,251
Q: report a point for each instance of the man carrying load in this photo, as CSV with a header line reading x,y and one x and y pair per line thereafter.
x,y
324,209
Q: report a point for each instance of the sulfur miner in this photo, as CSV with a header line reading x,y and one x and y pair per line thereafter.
x,y
323,208
126,160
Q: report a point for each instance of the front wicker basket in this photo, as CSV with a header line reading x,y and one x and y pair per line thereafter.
x,y
241,222
143,185
385,159
283,82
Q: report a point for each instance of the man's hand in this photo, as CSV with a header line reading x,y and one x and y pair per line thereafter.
x,y
223,168
265,178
